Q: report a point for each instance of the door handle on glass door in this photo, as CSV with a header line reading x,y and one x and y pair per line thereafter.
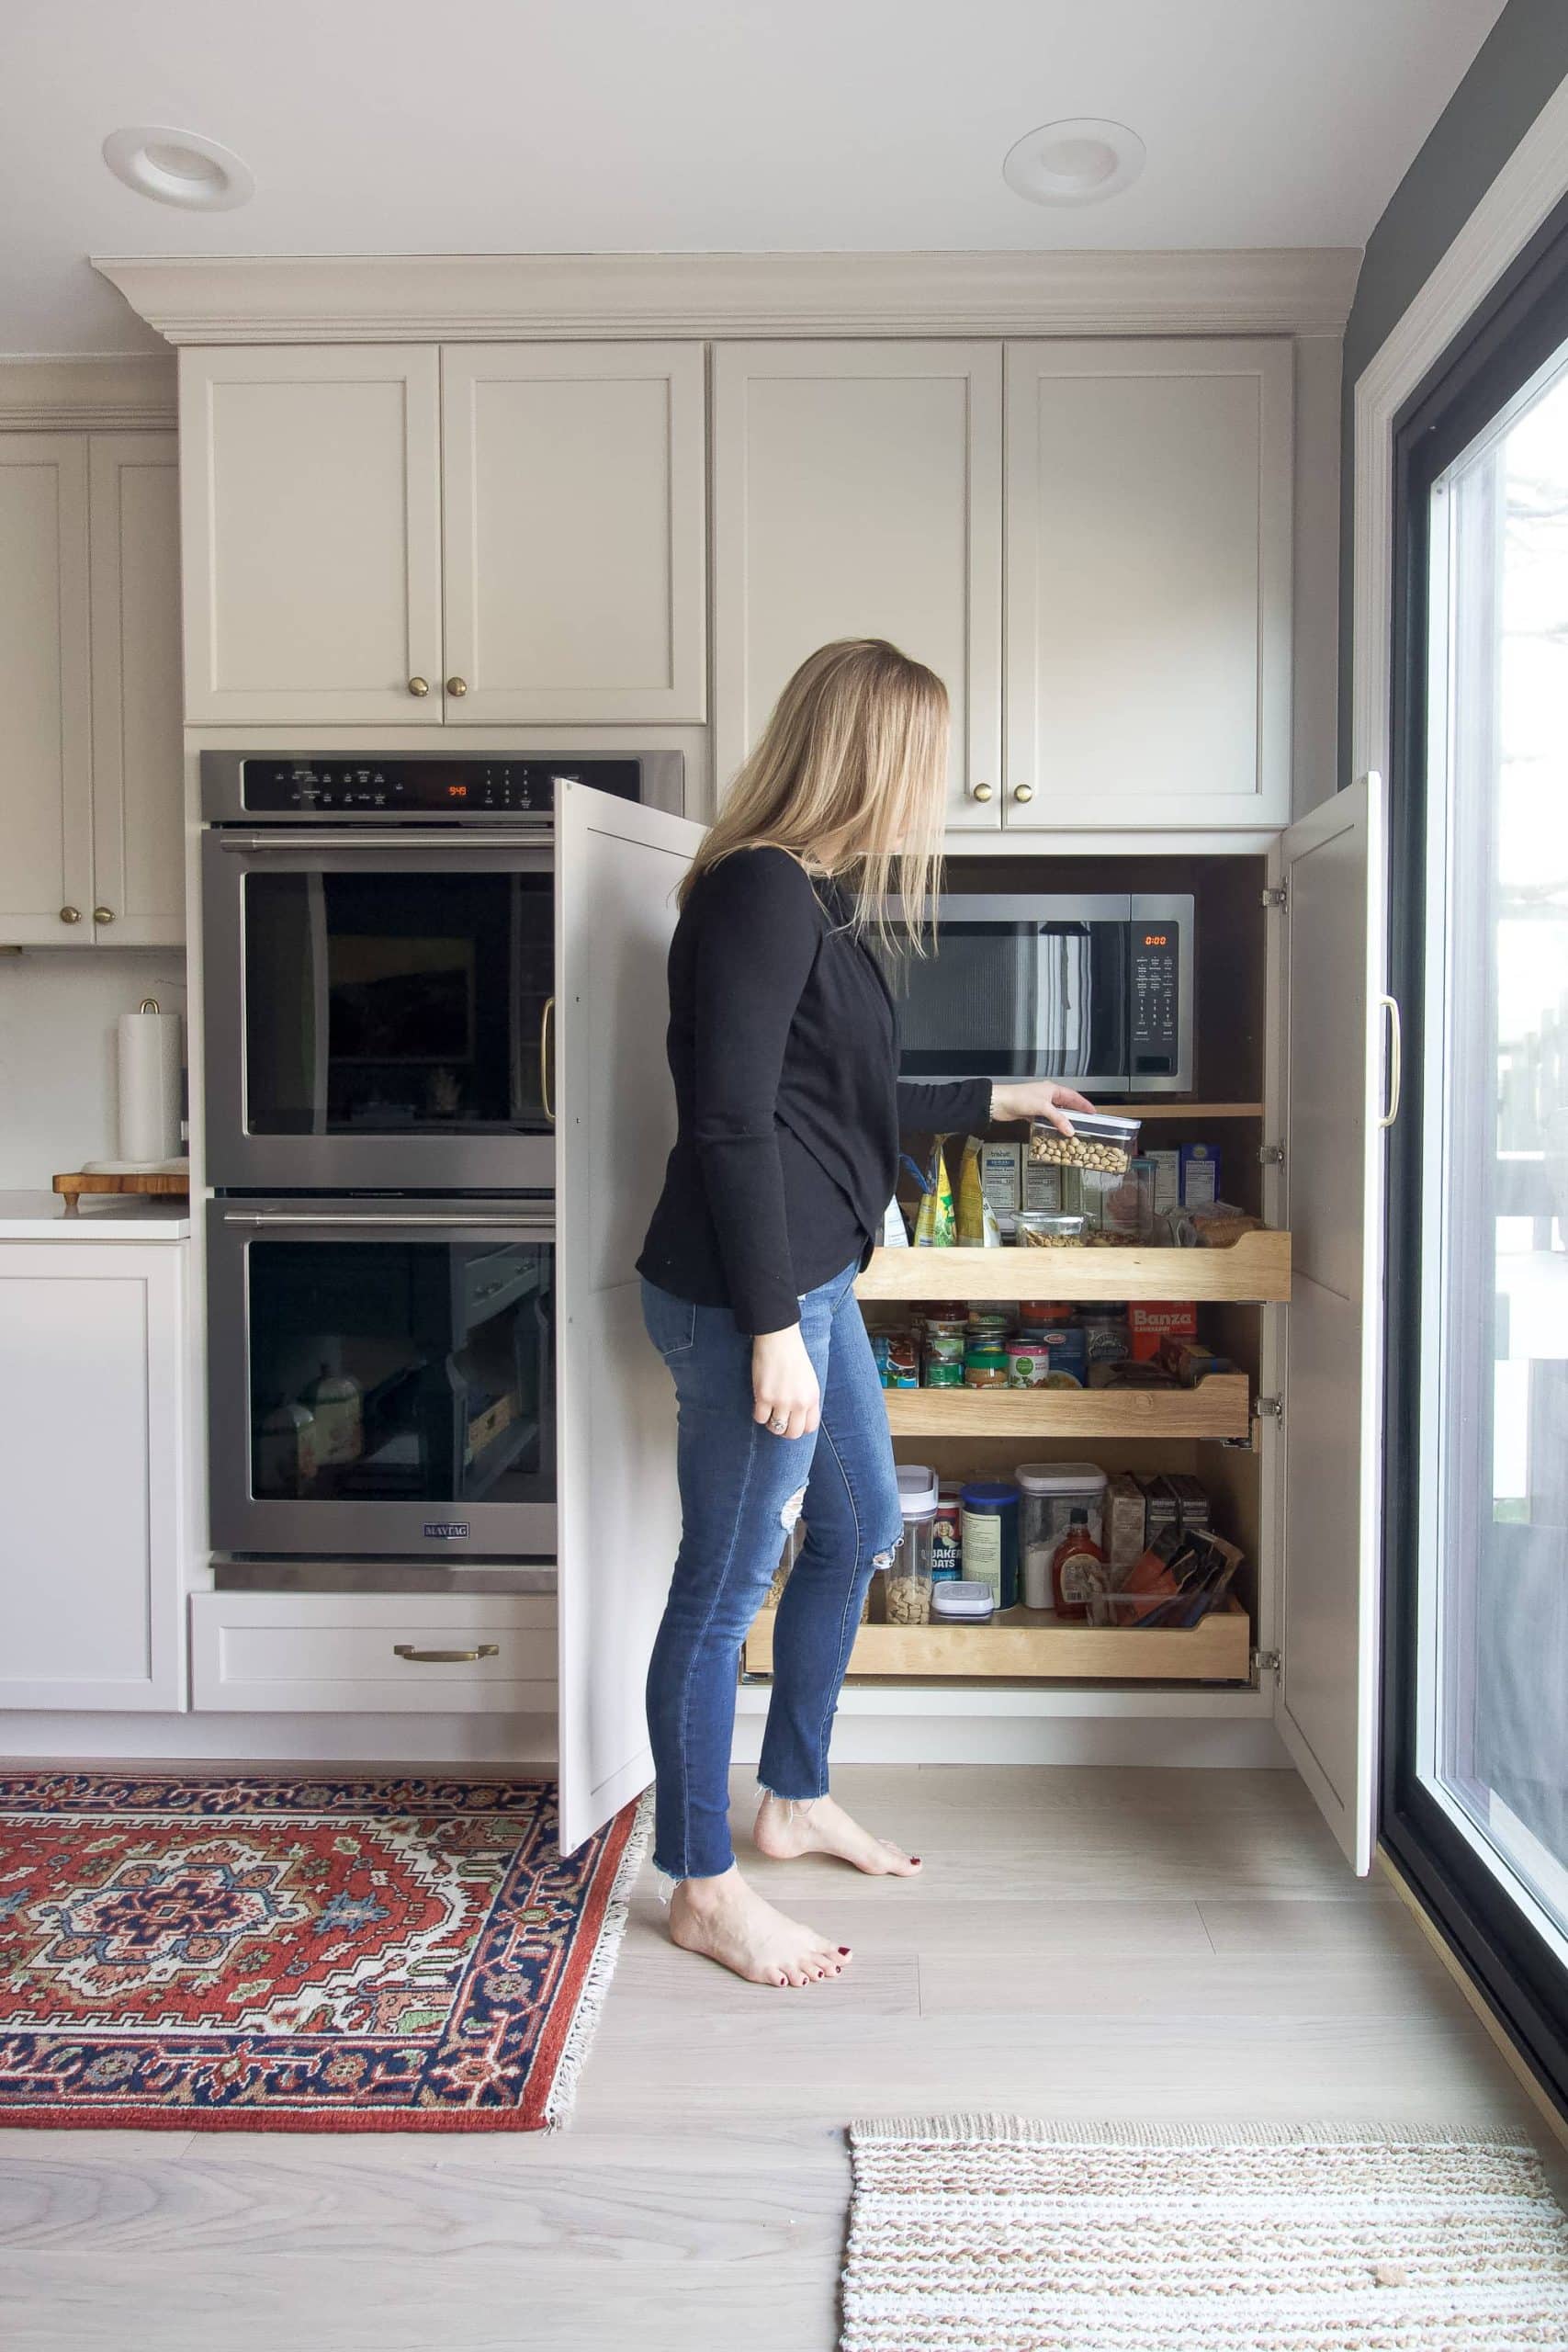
x,y
547,1027
1395,1056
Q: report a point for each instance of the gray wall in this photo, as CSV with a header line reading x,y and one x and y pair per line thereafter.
x,y
1516,69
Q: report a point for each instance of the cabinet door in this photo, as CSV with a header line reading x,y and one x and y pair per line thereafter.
x,y
574,533
616,868
857,493
1148,584
311,535
46,846
138,754
91,1371
1332,867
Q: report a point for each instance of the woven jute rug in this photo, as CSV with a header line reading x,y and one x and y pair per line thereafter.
x,y
253,1953
989,2234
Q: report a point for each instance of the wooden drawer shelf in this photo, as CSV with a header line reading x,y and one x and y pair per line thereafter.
x,y
1257,1270
1031,1644
1219,1407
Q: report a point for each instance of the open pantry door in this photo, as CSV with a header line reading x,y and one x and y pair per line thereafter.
x,y
616,868
1334,1017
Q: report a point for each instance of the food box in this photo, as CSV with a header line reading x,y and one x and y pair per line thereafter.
x,y
1167,1167
1002,1166
1152,1320
1200,1175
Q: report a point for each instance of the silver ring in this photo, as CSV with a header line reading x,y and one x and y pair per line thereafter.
x,y
777,1426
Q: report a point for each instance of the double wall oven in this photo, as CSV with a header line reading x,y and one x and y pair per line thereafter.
x,y
380,959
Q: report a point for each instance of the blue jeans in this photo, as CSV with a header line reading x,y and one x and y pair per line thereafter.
x,y
741,1489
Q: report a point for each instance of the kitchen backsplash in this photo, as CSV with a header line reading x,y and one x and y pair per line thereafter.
x,y
58,1065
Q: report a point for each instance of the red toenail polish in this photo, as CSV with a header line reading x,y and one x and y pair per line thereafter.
x,y
845,1950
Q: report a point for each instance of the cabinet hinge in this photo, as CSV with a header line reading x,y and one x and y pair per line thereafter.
x,y
1266,1661
1270,1155
1274,898
1271,1408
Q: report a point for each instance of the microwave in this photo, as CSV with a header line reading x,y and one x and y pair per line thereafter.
x,y
1093,989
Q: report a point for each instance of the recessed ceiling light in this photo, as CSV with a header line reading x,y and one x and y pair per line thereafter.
x,y
1080,160
179,168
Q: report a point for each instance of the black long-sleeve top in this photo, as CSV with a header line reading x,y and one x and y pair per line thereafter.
x,y
783,1044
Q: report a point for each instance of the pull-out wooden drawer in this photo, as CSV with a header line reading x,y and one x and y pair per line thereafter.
x,y
374,1653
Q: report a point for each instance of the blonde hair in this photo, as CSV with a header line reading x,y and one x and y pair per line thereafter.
x,y
849,774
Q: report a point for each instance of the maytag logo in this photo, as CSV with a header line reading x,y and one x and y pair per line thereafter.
x,y
449,1530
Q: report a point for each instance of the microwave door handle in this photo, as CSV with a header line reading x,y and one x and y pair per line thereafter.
x,y
384,837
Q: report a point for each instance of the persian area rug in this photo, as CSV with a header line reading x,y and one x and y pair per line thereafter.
x,y
300,1955
990,2231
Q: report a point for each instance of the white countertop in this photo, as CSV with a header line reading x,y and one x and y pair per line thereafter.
x,y
106,1216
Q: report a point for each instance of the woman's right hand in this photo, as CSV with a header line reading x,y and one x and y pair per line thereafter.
x,y
785,1393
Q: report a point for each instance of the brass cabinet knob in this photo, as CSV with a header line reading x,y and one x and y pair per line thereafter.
x,y
70,914
457,685
1023,792
419,685
982,792
103,914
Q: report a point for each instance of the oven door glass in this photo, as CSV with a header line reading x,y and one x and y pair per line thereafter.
x,y
999,998
396,1002
384,1386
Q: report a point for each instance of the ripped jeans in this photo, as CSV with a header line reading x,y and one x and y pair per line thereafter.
x,y
741,1489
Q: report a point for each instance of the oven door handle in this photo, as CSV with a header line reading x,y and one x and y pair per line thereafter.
x,y
266,1220
540,834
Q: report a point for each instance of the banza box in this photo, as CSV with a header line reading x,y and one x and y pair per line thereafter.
x,y
1150,1320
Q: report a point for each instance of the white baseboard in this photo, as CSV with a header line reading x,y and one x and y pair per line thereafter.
x,y
488,1741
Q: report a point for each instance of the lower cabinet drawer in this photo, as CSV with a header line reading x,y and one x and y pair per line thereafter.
x,y
374,1653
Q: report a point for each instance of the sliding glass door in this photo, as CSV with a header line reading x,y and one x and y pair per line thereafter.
x,y
1476,1785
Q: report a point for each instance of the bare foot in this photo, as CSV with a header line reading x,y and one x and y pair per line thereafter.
x,y
727,1920
787,1828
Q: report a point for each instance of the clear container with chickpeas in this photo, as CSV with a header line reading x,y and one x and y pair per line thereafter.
x,y
1101,1140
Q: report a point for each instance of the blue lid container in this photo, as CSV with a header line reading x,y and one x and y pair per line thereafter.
x,y
990,1526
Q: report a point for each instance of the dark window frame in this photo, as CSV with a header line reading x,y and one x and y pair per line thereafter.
x,y
1523,321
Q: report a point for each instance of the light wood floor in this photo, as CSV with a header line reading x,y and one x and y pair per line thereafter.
x,y
1084,1943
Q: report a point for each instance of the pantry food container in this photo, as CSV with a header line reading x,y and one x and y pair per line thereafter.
x,y
1050,1492
990,1538
1034,1231
1100,1139
907,1586
964,1603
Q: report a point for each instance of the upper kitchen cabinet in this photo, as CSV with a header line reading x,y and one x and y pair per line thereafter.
x,y
857,493
1148,584
312,495
138,762
573,527
91,840
46,826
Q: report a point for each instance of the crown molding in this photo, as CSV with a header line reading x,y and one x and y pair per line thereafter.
x,y
414,297
112,394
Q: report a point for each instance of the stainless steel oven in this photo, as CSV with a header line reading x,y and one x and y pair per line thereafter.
x,y
1096,989
378,959
381,1378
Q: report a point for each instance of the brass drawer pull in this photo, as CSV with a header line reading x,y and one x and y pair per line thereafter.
x,y
445,1657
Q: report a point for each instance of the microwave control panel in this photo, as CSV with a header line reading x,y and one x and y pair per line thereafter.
x,y
1155,1027
425,787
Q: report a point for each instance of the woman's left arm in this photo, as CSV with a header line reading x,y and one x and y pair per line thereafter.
x,y
972,1104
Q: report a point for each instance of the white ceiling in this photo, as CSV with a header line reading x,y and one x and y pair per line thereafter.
x,y
556,126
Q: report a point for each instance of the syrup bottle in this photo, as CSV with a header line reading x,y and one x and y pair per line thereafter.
x,y
1072,1578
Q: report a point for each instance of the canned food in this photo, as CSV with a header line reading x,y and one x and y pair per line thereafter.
x,y
943,1374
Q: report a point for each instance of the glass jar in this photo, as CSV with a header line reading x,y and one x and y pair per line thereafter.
x,y
990,1538
984,1368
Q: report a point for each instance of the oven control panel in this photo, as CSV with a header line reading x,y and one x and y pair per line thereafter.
x,y
1156,1008
425,787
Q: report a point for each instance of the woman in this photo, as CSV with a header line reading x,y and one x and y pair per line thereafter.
x,y
783,1052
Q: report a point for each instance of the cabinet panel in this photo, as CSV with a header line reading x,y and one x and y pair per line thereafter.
x,y
373,1653
137,762
45,803
857,492
574,532
91,1357
311,493
1148,580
